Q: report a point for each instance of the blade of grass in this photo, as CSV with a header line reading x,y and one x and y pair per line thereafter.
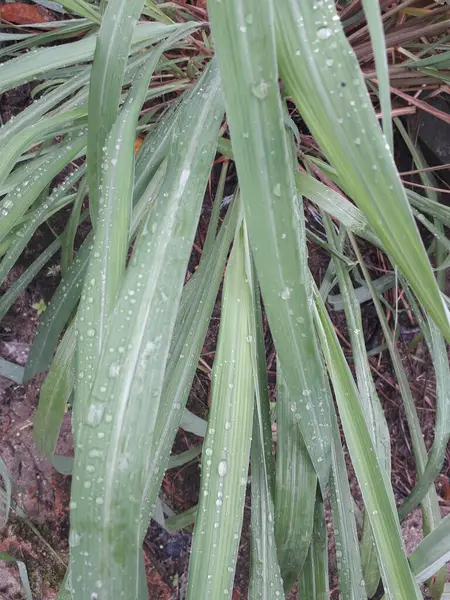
x,y
348,559
321,73
14,291
226,448
243,32
30,136
184,356
67,250
108,70
313,580
55,394
109,253
214,219
85,9
15,204
23,234
58,312
35,65
295,488
436,456
433,552
5,504
375,25
68,292
112,464
265,576
375,486
370,404
430,505
11,371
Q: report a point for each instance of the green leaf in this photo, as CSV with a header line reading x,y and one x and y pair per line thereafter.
x,y
109,253
117,421
64,300
432,553
295,491
85,9
265,576
55,394
313,580
226,448
34,133
23,234
372,12
322,75
63,464
17,202
5,504
108,70
348,559
178,460
11,371
35,65
14,291
244,36
186,347
374,484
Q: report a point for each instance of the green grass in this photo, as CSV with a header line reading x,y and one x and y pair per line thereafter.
x,y
123,334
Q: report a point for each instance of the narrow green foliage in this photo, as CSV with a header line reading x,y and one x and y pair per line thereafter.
x,y
17,202
296,485
313,580
109,252
189,335
265,576
433,552
322,75
108,71
55,394
226,448
116,421
375,487
244,36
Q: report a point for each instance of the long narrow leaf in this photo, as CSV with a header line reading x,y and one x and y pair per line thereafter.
x,y
321,73
313,581
243,31
55,393
226,448
296,485
117,423
375,487
109,252
265,575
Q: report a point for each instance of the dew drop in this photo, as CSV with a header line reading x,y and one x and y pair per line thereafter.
x,y
114,370
74,538
261,90
95,414
324,33
222,469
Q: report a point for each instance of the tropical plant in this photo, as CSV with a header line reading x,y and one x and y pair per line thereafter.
x,y
124,332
